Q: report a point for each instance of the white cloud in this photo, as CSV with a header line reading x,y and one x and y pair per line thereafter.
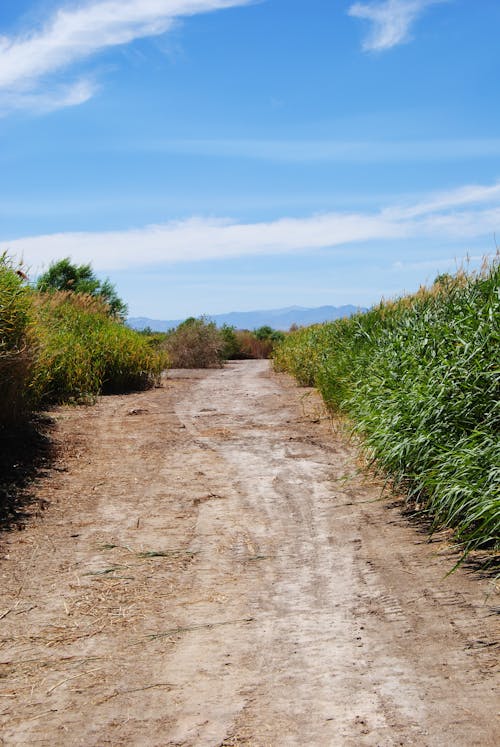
x,y
201,239
468,213
468,195
74,34
59,97
391,20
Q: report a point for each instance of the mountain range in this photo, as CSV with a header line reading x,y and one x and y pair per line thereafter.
x,y
275,318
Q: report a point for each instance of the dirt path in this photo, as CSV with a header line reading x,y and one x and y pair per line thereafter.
x,y
213,570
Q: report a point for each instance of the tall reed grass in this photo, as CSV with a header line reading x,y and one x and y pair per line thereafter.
x,y
420,379
83,351
16,349
64,347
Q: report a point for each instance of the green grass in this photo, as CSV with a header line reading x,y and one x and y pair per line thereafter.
x,y
84,352
420,379
64,347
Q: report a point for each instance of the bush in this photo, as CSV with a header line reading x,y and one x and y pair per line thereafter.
x,y
257,344
420,379
251,347
196,343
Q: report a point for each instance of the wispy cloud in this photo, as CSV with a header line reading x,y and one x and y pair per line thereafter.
x,y
467,213
197,239
312,151
72,94
391,20
440,202
72,35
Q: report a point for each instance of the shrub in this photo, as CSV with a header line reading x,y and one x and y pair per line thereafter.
x,y
250,347
196,343
257,344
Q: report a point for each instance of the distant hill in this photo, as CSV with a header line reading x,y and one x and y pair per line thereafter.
x,y
276,318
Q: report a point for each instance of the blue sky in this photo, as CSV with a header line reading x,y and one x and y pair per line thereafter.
x,y
218,155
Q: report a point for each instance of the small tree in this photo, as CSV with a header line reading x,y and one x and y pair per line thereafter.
x,y
231,345
64,275
268,333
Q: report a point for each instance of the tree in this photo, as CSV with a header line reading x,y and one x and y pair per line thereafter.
x,y
231,345
268,333
64,275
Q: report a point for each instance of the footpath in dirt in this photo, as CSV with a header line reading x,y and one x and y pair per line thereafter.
x,y
212,568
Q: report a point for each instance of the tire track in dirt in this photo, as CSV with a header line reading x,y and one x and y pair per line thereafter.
x,y
350,652
214,570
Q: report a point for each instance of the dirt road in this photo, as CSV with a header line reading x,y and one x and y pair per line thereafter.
x,y
212,569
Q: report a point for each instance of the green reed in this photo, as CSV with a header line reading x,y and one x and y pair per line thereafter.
x,y
419,377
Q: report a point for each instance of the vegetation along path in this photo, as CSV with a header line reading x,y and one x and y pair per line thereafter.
x,y
211,568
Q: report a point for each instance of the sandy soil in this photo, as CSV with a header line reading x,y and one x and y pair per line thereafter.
x,y
213,569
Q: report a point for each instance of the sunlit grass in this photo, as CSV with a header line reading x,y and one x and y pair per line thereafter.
x,y
83,351
420,379
64,347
